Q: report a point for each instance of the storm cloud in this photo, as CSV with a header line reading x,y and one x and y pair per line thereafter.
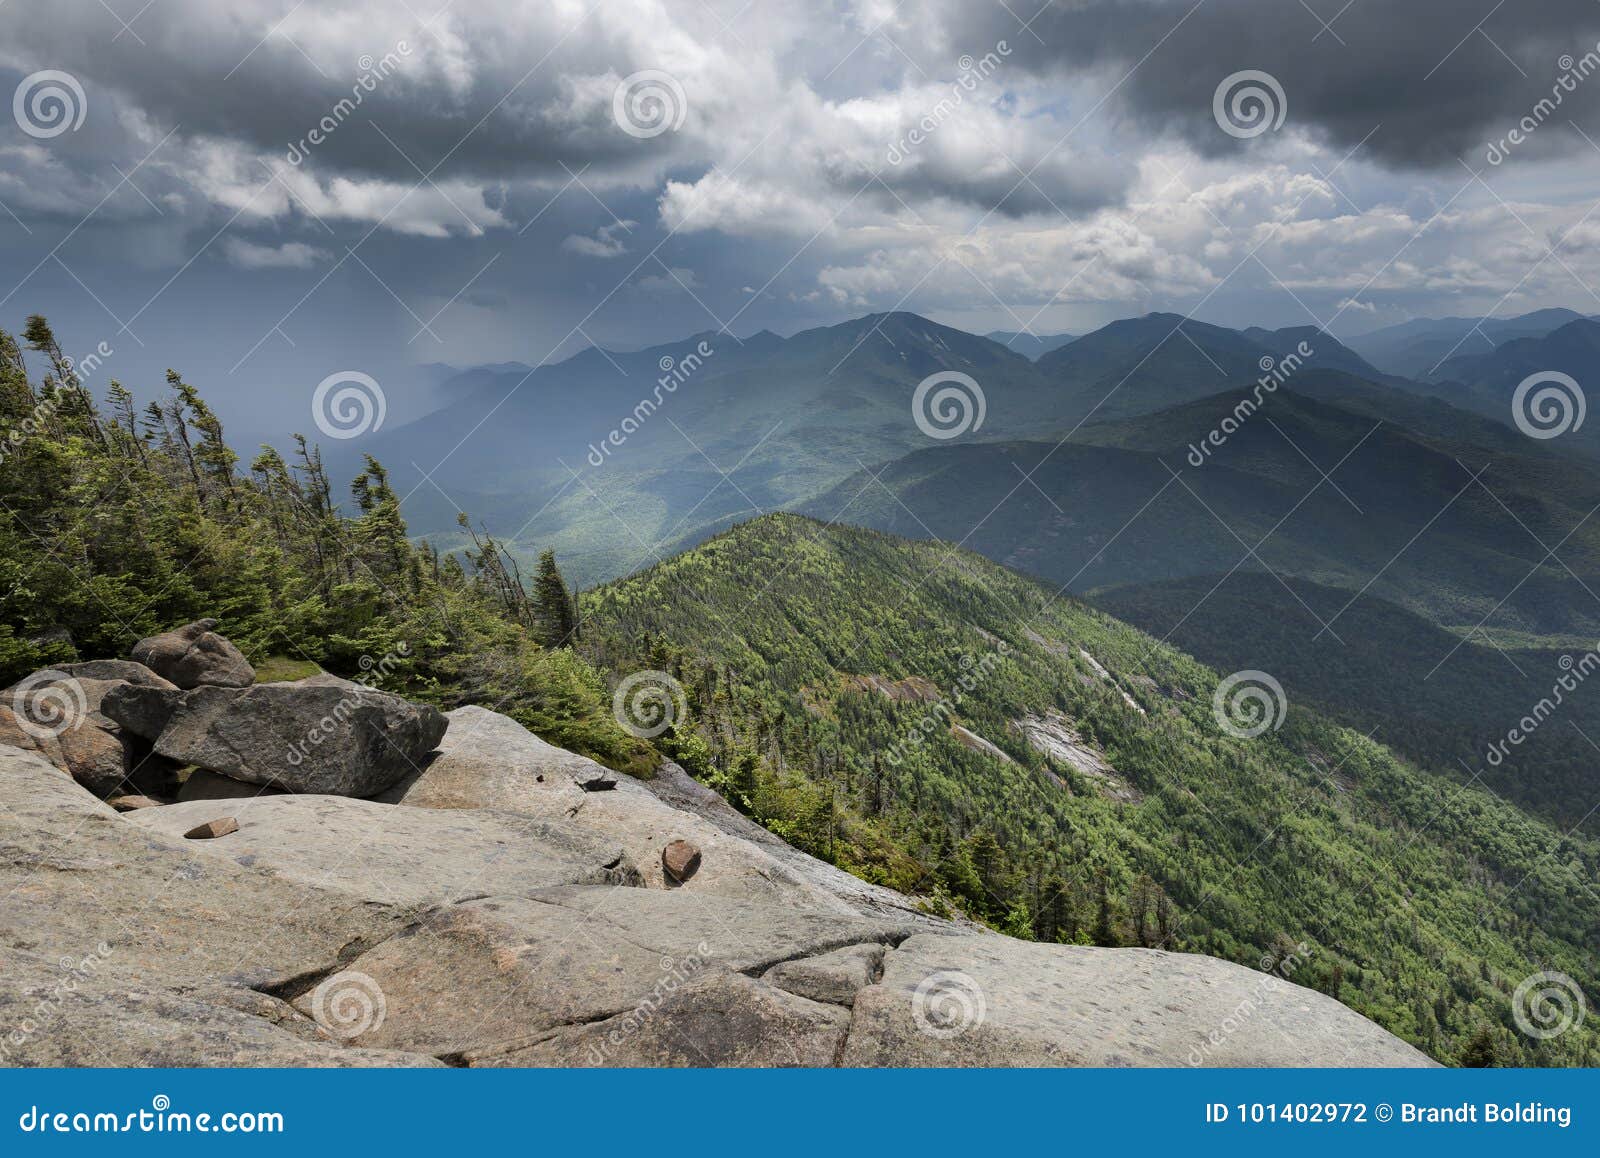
x,y
390,185
1422,83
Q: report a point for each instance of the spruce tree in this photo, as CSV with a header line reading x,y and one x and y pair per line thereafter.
x,y
552,603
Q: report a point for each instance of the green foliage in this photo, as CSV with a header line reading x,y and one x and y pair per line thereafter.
x,y
281,669
116,526
1421,903
553,607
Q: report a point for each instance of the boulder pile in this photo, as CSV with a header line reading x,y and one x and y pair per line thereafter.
x,y
128,729
319,873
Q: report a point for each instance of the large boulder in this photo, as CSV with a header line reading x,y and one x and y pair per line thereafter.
x,y
114,671
139,708
58,697
15,733
97,758
60,713
57,715
94,692
344,740
195,656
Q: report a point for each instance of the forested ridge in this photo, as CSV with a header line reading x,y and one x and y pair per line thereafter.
x,y
1421,903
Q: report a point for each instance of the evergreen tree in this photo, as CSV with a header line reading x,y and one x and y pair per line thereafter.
x,y
552,604
1105,931
1018,922
1479,1053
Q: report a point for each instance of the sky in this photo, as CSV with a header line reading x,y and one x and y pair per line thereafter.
x,y
264,193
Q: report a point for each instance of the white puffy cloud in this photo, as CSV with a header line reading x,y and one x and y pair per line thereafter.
x,y
604,243
289,255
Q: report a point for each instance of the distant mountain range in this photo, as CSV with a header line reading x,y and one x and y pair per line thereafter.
x,y
611,458
1490,378
1030,345
1419,348
614,459
1476,375
1125,503
1441,531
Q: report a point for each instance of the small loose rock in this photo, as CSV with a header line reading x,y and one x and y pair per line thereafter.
x,y
133,803
681,860
212,829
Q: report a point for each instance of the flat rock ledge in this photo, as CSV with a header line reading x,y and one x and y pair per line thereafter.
x,y
502,915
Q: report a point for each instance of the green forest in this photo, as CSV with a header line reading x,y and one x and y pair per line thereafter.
x,y
1445,699
1421,902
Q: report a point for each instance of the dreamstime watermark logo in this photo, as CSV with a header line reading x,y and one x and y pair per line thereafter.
x,y
49,103
1574,672
338,720
348,404
160,1118
47,1009
647,703
1278,969
1274,373
81,368
648,103
349,1004
973,72
1249,103
948,1004
1547,1004
1548,405
49,703
948,404
674,974
1573,73
674,373
372,71
941,715
1248,704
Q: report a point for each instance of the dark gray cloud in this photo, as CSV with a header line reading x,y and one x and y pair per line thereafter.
x,y
832,159
468,92
1443,78
500,91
